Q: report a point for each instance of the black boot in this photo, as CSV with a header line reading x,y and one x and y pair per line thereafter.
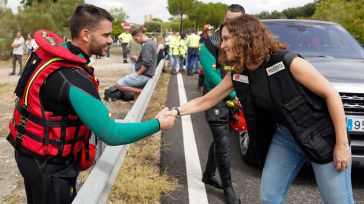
x,y
230,196
212,180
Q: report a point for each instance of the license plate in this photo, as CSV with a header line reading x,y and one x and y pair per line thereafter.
x,y
355,124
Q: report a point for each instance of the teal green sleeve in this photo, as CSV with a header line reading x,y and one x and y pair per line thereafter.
x,y
212,75
95,115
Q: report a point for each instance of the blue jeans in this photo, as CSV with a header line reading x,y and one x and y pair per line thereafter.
x,y
133,81
132,65
284,160
192,61
181,62
174,60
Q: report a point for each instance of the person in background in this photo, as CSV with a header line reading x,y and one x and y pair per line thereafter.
x,y
160,48
182,53
125,38
145,66
30,44
166,38
134,49
18,51
218,116
174,52
192,53
108,52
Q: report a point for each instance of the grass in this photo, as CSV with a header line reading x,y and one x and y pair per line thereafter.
x,y
17,197
140,179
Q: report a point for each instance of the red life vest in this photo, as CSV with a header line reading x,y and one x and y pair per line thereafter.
x,y
39,131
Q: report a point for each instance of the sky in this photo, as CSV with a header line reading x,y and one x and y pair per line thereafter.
x,y
136,9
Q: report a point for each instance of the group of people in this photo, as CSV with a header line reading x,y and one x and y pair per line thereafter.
x,y
20,46
183,50
52,121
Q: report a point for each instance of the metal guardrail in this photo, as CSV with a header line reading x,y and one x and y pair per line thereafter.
x,y
98,185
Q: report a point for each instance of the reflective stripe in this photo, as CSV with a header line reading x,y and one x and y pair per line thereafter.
x,y
35,75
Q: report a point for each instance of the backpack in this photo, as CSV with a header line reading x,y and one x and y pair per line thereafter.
x,y
113,94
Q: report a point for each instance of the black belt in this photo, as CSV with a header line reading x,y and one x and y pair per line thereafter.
x,y
46,158
47,123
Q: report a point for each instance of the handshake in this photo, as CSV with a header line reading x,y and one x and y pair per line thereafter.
x,y
166,118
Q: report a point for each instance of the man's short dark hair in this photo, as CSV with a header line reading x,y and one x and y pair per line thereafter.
x,y
87,16
140,29
236,8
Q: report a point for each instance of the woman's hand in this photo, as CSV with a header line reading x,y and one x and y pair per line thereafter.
x,y
171,112
165,121
341,156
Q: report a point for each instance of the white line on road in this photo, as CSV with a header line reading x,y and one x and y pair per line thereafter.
x,y
196,189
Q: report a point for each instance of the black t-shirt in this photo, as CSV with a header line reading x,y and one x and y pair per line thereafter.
x,y
55,90
258,82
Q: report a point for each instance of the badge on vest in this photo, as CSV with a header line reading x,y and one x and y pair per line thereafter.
x,y
241,78
275,68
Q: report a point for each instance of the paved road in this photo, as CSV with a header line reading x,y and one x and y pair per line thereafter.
x,y
246,179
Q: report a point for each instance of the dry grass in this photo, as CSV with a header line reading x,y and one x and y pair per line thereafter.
x,y
140,179
15,198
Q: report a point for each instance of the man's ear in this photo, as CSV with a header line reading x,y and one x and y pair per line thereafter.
x,y
85,35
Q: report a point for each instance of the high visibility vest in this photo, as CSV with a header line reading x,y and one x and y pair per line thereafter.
x,y
42,132
125,37
174,45
182,47
194,41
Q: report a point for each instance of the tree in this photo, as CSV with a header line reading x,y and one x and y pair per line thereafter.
x,y
118,14
7,31
120,17
3,3
61,12
305,11
180,8
350,14
30,2
217,13
198,14
36,17
157,20
153,27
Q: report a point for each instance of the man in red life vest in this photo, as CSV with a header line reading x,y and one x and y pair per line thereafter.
x,y
58,106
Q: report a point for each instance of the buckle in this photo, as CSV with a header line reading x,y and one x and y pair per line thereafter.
x,y
59,143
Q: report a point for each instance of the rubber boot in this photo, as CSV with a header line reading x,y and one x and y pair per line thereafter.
x,y
209,174
230,196
212,181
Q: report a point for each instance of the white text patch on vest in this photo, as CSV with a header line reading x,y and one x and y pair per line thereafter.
x,y
275,68
241,78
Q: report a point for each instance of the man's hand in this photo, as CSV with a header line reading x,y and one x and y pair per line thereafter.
x,y
166,121
136,74
134,57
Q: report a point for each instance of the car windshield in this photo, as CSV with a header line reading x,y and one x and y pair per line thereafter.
x,y
314,39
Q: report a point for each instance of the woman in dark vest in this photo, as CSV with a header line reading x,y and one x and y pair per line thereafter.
x,y
299,107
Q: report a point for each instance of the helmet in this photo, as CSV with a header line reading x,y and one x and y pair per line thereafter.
x,y
126,26
237,122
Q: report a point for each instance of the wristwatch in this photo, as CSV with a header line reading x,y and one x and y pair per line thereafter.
x,y
178,111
